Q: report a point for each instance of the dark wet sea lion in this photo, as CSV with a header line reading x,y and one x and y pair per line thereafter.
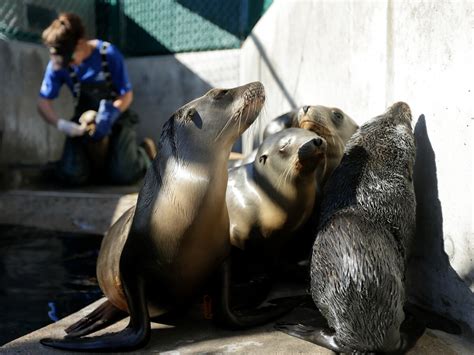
x,y
156,257
360,252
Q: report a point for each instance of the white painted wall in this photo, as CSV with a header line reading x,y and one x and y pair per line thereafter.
x,y
362,56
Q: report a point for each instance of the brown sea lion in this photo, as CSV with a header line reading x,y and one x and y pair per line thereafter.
x,y
268,200
157,255
331,123
273,196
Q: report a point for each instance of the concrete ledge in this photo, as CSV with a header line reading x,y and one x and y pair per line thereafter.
x,y
193,334
66,211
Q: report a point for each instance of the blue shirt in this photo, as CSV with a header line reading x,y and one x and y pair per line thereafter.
x,y
89,71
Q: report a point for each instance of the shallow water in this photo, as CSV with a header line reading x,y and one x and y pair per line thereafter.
x,y
44,276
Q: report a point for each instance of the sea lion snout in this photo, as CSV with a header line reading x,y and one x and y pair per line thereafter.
x,y
310,153
401,110
254,90
317,142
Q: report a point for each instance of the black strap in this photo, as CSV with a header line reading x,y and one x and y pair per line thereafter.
x,y
76,84
105,67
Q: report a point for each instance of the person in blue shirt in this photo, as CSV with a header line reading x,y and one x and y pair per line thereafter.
x,y
102,147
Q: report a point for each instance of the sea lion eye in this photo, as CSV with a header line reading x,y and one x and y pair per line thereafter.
x,y
283,147
338,116
263,159
220,94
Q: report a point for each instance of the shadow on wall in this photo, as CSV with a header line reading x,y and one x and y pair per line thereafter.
x,y
236,17
142,37
161,85
431,280
256,131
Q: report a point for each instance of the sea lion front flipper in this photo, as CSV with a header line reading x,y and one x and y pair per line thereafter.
x,y
134,336
229,317
316,335
103,316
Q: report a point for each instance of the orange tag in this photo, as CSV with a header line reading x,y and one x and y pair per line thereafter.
x,y
207,306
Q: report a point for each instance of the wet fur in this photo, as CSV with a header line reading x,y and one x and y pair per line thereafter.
x,y
367,224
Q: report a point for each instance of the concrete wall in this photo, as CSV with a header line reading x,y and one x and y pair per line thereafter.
x,y
24,137
363,56
161,85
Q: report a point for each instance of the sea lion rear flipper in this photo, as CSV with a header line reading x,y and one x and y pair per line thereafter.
x,y
228,317
410,331
432,320
134,336
103,316
315,335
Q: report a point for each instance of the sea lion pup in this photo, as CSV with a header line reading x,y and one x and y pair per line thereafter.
x,y
269,199
360,252
156,258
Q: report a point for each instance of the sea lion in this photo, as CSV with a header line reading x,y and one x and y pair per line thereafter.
x,y
270,198
360,252
273,196
331,123
278,124
158,254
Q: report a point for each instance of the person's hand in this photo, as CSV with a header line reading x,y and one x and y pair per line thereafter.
x,y
106,117
72,129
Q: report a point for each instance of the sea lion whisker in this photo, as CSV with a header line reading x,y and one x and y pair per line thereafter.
x,y
223,128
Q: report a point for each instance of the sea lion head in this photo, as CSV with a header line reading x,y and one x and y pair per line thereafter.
x,y
330,123
291,153
397,153
219,117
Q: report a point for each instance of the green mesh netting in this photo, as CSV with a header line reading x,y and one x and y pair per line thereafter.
x,y
141,27
25,20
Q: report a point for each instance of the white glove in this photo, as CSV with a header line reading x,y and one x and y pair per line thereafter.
x,y
72,129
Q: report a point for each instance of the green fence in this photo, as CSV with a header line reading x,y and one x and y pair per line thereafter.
x,y
141,27
24,20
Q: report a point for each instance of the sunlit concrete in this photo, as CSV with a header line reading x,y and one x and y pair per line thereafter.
x,y
362,56
191,334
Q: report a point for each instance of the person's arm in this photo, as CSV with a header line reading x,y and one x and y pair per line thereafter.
x,y
46,110
123,102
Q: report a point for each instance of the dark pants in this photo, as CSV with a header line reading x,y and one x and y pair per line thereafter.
x,y
125,161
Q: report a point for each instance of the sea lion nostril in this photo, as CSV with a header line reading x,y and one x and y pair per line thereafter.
x,y
305,109
317,142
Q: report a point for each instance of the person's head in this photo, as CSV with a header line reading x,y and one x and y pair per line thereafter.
x,y
66,40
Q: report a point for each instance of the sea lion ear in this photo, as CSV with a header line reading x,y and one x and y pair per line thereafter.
x,y
263,159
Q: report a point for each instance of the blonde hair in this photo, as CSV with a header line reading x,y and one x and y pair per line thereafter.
x,y
67,28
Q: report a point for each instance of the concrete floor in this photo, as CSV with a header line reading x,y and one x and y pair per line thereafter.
x,y
192,334
92,212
